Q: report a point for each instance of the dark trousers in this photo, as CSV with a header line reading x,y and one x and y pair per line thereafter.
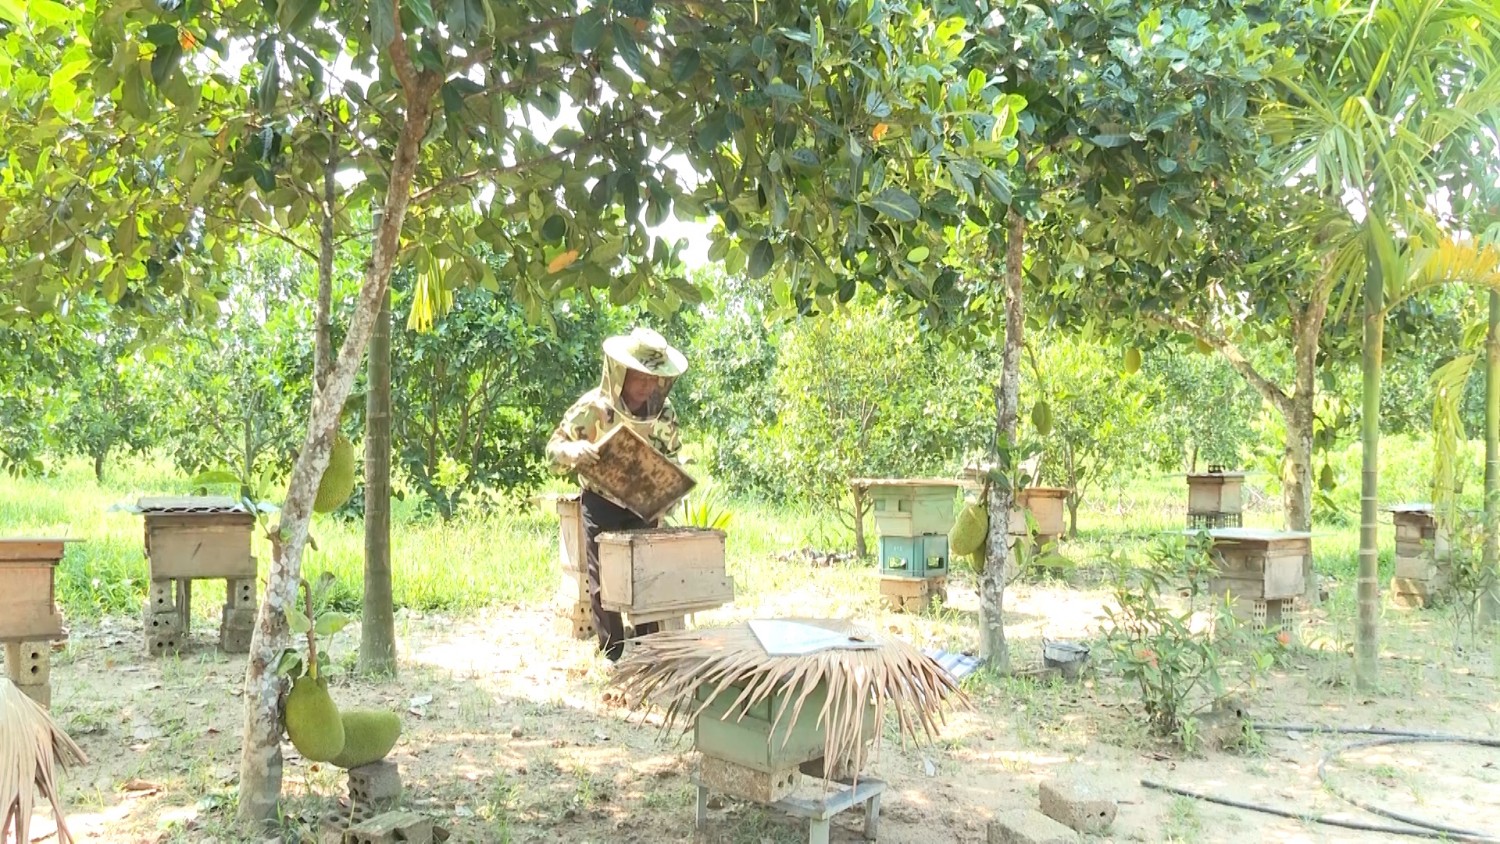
x,y
600,515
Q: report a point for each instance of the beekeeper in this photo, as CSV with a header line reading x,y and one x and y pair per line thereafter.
x,y
639,371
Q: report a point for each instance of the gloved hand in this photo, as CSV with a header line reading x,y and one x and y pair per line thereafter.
x,y
579,454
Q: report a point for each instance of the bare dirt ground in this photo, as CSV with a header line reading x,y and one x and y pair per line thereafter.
x,y
508,738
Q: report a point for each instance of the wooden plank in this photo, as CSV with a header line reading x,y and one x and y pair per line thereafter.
x,y
842,799
202,551
672,589
27,549
616,572
1283,578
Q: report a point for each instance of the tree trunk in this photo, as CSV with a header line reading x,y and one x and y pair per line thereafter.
x,y
1489,602
861,549
1072,502
993,648
99,465
260,760
1297,412
377,645
1367,643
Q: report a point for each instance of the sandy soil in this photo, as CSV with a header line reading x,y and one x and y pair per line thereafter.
x,y
508,738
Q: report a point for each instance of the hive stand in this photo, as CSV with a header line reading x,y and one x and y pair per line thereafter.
x,y
197,538
819,813
29,620
1215,500
574,613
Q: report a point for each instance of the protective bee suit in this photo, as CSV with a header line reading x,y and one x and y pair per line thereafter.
x,y
640,369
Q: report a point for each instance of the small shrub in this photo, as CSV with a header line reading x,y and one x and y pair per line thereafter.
x,y
1151,640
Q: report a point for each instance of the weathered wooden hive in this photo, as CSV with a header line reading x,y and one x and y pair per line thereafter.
x,y
29,618
1215,500
198,538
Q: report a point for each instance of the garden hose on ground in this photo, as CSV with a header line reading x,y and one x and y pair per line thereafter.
x,y
1427,829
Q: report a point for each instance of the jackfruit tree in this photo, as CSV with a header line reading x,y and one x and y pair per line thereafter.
x,y
143,145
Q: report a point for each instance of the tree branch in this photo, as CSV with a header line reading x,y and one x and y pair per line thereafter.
x,y
268,231
1263,385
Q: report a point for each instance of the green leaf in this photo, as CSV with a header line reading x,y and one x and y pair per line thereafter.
x,y
554,228
296,621
1159,202
588,31
896,204
805,159
1108,140
133,88
295,15
466,19
685,64
784,92
11,10
269,89
382,23
330,623
422,9
629,51
918,255
761,259
289,664
164,63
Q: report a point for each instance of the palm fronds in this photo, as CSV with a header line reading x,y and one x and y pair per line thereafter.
x,y
30,745
667,670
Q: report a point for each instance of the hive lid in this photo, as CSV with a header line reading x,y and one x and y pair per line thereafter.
x,y
190,505
1410,508
1251,534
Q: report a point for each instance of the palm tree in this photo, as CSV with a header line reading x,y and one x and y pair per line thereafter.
x,y
1392,95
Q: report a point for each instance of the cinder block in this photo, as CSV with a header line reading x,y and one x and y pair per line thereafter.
x,y
162,623
576,621
392,827
1078,805
239,594
378,782
28,663
242,617
235,640
747,783
160,598
1023,826
39,692
164,644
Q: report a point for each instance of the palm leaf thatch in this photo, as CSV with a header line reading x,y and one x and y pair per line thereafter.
x,y
668,669
30,745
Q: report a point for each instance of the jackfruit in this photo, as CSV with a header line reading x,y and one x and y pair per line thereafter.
x,y
312,720
1041,419
338,479
369,736
969,529
1132,360
1326,481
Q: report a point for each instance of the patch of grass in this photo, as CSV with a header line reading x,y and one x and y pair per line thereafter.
x,y
1182,823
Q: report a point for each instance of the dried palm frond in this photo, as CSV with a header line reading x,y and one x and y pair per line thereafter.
x,y
30,745
669,669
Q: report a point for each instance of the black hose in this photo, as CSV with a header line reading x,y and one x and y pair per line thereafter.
x,y
1395,816
1357,825
1374,731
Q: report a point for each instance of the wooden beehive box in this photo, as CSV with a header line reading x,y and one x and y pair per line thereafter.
x,y
28,598
1048,507
754,738
572,539
912,507
1260,564
663,571
636,476
198,537
1215,493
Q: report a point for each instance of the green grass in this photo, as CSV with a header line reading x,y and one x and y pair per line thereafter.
x,y
504,552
